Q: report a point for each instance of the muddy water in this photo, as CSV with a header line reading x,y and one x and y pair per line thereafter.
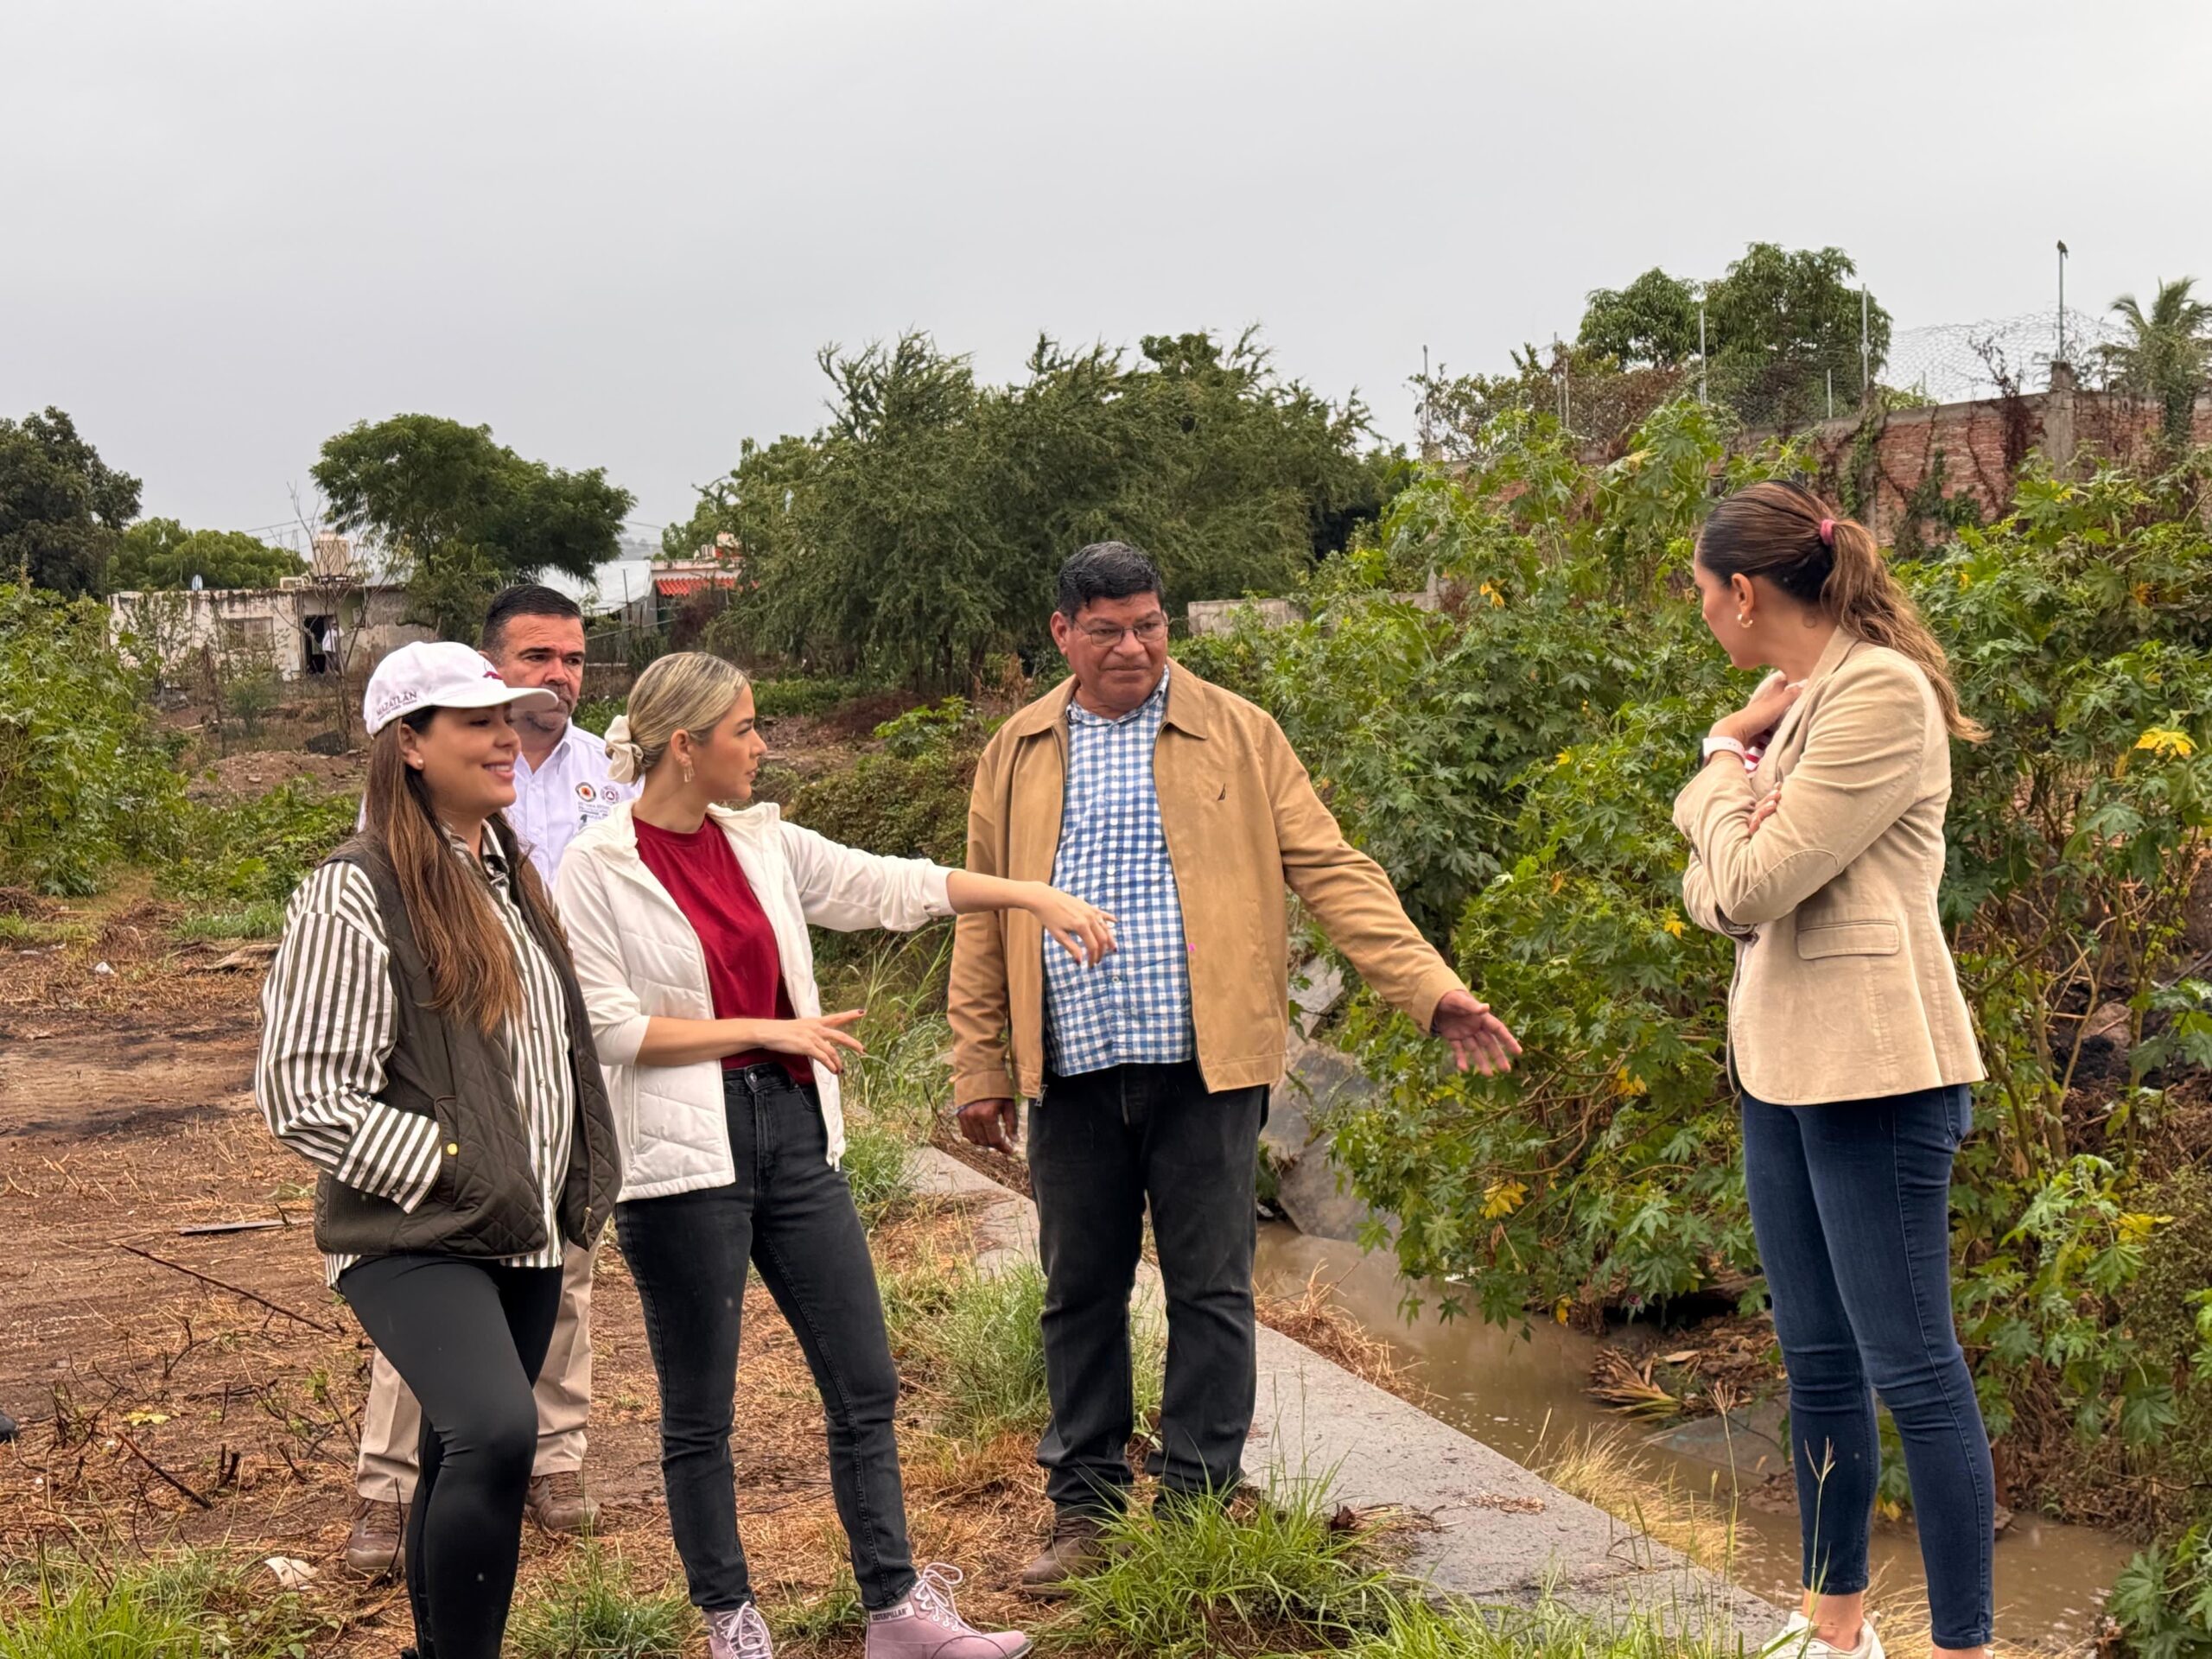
x,y
1512,1393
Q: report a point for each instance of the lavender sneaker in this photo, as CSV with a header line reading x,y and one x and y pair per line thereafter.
x,y
739,1633
926,1625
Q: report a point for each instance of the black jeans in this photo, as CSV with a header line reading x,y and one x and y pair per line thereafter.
x,y
468,1337
1850,1203
1102,1145
791,1215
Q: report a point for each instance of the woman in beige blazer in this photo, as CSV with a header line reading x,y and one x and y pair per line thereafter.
x,y
1815,826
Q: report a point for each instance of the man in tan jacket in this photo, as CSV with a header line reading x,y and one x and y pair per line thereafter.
x,y
1180,810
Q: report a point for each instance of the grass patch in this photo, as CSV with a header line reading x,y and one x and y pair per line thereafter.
x,y
29,930
1604,1470
1268,1573
971,1347
875,1167
258,918
588,1611
800,1620
1419,1629
185,1605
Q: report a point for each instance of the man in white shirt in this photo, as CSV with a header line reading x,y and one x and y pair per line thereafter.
x,y
534,637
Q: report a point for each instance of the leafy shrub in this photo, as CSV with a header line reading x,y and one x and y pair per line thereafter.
x,y
910,800
87,776
2162,1600
1512,762
256,850
595,714
791,695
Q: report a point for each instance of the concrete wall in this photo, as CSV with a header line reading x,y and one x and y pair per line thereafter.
x,y
267,620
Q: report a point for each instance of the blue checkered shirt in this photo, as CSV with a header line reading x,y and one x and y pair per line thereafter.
x,y
1134,1008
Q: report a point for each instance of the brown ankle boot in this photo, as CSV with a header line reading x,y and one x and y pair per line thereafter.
x,y
558,1503
1076,1548
373,1548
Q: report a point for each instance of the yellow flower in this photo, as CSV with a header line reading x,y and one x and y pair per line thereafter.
x,y
1674,925
1496,599
1628,1085
2167,743
1561,1308
1565,755
1503,1199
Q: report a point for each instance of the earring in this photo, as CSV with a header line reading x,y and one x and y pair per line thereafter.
x,y
686,772
1742,621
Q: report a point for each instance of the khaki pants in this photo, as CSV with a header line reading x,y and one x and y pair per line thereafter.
x,y
391,1426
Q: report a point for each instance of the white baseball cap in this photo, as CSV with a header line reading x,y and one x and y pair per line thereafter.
x,y
440,674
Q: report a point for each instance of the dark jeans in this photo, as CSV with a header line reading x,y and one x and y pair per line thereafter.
x,y
791,1215
1102,1145
1850,1203
467,1339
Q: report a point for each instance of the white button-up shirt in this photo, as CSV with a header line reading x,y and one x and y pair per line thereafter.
x,y
569,791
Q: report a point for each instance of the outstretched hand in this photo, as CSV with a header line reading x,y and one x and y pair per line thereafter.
x,y
1479,1038
1084,932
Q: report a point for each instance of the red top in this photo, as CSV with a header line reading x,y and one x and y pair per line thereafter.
x,y
744,974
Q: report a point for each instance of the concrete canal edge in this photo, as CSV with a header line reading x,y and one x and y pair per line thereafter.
x,y
1492,1531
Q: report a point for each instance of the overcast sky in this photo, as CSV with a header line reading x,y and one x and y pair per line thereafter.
x,y
617,232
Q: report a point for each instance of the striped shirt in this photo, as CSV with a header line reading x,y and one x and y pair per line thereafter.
x,y
329,1026
1135,1008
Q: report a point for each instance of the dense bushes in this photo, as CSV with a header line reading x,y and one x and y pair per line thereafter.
x,y
87,775
911,800
1513,760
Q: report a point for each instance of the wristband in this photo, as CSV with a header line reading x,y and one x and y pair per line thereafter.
x,y
1715,744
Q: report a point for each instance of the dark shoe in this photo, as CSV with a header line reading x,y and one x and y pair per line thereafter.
x,y
7,1428
1077,1549
558,1503
373,1548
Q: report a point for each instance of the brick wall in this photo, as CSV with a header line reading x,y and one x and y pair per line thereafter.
x,y
1980,446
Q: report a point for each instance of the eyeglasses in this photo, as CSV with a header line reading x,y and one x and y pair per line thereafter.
x,y
1150,632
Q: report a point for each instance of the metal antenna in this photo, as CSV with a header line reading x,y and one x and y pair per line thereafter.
x,y
2061,358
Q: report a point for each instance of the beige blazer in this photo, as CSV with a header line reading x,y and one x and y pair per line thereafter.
x,y
1844,986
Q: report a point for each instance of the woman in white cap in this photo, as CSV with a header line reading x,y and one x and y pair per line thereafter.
x,y
689,910
425,1045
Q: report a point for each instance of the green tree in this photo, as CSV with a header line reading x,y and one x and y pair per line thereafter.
x,y
63,508
2164,357
917,533
160,553
1779,323
459,516
1653,321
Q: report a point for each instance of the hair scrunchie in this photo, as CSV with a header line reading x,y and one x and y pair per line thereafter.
x,y
1828,532
625,761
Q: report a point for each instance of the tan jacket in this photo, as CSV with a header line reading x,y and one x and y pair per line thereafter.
x,y
1241,819
1844,987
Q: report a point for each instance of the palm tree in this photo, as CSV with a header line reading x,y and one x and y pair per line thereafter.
x,y
2164,357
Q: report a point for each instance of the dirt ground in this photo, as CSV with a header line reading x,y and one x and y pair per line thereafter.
x,y
207,1387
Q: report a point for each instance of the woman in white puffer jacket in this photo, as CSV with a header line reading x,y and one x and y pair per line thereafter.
x,y
688,919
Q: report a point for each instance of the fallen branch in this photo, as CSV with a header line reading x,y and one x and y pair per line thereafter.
x,y
235,1290
131,1447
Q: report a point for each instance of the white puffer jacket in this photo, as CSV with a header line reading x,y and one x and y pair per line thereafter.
x,y
638,958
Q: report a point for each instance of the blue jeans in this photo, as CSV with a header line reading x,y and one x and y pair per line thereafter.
x,y
1850,1203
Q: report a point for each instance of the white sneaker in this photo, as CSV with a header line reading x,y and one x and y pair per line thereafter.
x,y
1798,1642
739,1633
